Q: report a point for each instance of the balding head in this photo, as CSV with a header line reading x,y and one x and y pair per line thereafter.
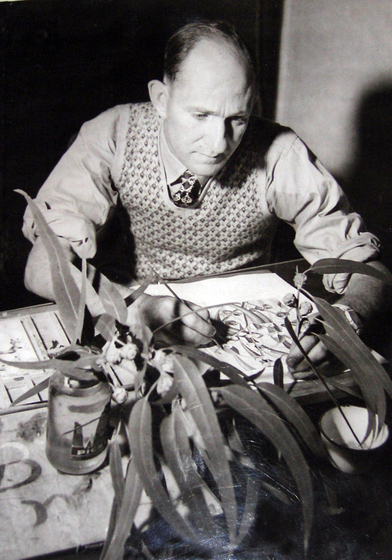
x,y
221,34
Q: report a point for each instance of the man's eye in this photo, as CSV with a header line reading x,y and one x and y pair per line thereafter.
x,y
240,121
200,116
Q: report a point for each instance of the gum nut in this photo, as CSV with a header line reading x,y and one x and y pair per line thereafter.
x,y
305,308
119,395
299,280
290,300
168,365
305,324
129,351
113,355
164,385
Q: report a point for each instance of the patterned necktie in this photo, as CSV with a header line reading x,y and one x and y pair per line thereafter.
x,y
188,192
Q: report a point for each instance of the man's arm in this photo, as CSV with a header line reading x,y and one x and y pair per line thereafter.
x,y
37,272
161,313
371,299
304,194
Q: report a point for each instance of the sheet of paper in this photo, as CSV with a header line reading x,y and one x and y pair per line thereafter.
x,y
27,337
227,289
249,313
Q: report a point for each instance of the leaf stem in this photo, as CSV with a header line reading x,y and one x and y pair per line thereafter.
x,y
319,376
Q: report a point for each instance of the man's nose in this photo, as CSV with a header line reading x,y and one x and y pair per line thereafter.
x,y
217,137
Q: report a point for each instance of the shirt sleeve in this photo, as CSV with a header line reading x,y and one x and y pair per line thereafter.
x,y
303,193
78,195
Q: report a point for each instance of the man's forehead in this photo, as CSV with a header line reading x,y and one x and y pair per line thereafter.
x,y
211,54
239,104
209,69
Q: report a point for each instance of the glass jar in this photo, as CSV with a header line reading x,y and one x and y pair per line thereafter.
x,y
78,422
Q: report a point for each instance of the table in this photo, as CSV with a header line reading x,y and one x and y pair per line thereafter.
x,y
44,511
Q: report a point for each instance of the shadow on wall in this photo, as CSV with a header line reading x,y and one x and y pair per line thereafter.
x,y
369,183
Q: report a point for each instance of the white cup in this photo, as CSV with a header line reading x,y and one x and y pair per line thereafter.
x,y
347,453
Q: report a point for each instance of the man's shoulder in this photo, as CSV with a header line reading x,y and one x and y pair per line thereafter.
x,y
270,130
267,140
114,123
123,111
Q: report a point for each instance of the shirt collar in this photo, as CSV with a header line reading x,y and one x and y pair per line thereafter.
x,y
172,166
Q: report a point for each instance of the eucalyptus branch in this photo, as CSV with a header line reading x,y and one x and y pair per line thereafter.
x,y
77,336
319,376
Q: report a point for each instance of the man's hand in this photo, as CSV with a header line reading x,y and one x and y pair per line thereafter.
x,y
173,320
314,348
318,354
371,299
38,276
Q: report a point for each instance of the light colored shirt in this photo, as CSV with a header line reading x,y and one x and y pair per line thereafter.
x,y
289,183
173,168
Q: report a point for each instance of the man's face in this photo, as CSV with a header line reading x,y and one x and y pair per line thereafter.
x,y
207,108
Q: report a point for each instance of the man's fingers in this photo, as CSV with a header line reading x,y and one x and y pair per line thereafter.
x,y
315,350
311,344
195,324
182,321
193,315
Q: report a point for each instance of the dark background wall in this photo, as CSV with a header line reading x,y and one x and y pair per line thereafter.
x,y
328,75
64,62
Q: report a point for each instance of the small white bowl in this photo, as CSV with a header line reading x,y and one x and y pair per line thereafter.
x,y
345,453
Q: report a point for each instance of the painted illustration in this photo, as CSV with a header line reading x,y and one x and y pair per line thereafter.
x,y
252,334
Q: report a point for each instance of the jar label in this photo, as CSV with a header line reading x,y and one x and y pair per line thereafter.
x,y
87,443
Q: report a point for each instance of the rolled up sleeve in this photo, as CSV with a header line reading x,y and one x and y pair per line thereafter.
x,y
78,195
304,194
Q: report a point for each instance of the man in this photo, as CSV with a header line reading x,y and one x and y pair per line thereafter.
x,y
205,184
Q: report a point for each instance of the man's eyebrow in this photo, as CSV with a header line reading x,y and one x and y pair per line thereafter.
x,y
241,114
200,110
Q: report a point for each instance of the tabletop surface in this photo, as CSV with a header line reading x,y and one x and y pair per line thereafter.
x,y
44,512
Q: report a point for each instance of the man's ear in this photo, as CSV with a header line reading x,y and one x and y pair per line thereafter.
x,y
159,95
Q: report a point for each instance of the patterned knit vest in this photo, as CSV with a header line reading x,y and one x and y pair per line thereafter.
x,y
227,231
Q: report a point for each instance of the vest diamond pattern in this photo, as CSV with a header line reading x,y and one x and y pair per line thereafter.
x,y
180,243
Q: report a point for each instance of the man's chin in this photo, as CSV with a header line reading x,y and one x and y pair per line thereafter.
x,y
207,169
